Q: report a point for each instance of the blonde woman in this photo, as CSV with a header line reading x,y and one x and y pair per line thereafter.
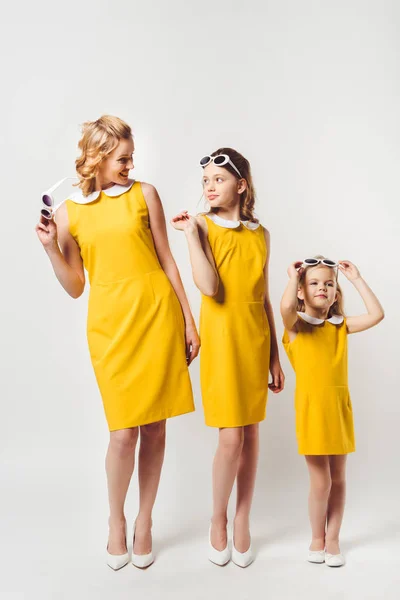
x,y
140,329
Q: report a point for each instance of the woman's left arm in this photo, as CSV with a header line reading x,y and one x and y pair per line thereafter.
x,y
167,262
278,377
375,312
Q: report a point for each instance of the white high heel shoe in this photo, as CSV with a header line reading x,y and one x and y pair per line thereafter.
x,y
141,561
117,561
218,557
241,559
334,560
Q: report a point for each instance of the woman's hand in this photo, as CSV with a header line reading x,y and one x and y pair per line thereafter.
x,y
278,377
184,222
349,270
295,270
47,233
192,342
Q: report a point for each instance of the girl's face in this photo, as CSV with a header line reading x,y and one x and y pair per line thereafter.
x,y
221,188
116,166
319,288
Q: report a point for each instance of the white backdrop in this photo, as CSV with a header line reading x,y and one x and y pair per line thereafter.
x,y
309,93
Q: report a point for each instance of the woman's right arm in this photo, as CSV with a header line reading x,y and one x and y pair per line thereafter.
x,y
63,252
205,274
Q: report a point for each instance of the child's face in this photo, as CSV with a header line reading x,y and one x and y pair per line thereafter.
x,y
115,168
221,188
319,288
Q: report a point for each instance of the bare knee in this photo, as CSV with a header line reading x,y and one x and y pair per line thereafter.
x,y
231,442
123,441
153,433
321,487
250,433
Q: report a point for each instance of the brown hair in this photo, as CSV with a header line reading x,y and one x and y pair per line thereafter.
x,y
337,307
99,139
248,196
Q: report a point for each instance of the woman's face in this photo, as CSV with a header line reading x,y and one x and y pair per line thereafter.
x,y
220,187
115,168
319,288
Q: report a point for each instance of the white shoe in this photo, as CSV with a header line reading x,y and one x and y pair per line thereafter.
x,y
316,556
117,561
218,557
334,560
241,559
141,561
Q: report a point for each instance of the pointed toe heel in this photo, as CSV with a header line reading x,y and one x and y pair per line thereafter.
x,y
218,557
117,561
141,561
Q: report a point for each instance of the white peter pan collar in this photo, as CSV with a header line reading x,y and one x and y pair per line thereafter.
x,y
115,190
232,224
334,319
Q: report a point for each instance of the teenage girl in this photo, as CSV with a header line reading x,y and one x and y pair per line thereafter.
x,y
315,340
114,227
229,253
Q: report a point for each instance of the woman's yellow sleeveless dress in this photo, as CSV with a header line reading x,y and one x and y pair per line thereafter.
x,y
324,415
135,325
234,329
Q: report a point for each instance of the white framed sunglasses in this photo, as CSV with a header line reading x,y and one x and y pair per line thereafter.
x,y
313,262
48,202
220,160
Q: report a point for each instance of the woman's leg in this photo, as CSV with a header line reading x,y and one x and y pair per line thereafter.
x,y
336,502
151,457
120,461
246,478
320,487
225,467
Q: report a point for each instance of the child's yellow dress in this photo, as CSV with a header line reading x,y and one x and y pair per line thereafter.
x,y
135,325
324,415
234,329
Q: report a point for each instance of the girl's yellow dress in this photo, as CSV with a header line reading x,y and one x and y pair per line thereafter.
x,y
135,325
234,329
324,415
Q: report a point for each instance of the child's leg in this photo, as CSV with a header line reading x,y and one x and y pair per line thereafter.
x,y
336,502
225,468
320,487
246,478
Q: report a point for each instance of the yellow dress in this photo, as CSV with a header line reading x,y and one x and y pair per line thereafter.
x,y
324,415
135,326
234,329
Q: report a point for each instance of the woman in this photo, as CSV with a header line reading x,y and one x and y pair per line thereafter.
x,y
138,317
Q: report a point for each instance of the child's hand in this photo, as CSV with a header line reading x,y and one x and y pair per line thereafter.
x,y
349,270
278,378
47,232
295,269
184,222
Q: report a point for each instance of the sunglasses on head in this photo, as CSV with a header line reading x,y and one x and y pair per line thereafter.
x,y
313,262
48,203
220,160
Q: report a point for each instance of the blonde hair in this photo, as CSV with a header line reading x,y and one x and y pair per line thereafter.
x,y
99,139
337,307
248,196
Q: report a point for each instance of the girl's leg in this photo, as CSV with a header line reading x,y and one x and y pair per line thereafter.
x,y
120,461
246,478
151,458
226,463
320,487
336,502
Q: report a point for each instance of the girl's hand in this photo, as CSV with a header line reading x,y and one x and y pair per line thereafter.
x,y
184,222
295,269
192,342
349,270
47,232
278,377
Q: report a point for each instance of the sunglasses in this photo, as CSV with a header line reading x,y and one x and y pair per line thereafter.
x,y
313,262
220,161
48,202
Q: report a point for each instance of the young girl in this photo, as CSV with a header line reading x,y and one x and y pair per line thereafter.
x,y
115,228
229,253
315,340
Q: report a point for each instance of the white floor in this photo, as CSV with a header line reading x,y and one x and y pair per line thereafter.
x,y
54,535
